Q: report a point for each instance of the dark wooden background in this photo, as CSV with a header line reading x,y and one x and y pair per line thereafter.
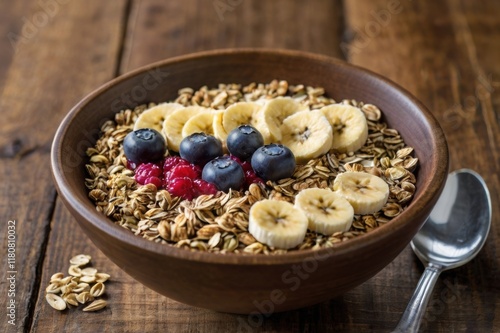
x,y
54,52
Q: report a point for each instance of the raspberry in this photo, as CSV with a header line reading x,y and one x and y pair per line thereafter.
x,y
236,159
171,162
252,178
204,187
154,180
146,171
183,170
181,187
246,166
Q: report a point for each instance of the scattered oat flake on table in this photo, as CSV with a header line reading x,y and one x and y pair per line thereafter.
x,y
97,290
84,297
80,260
96,305
56,302
83,285
89,271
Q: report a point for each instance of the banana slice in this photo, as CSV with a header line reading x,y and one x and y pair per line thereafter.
x,y
155,116
242,113
200,123
350,129
365,192
308,134
277,223
273,114
219,130
174,123
327,211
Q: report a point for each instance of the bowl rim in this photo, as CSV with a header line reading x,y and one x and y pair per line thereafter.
x,y
439,164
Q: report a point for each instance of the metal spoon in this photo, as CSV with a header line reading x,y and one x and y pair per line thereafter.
x,y
453,234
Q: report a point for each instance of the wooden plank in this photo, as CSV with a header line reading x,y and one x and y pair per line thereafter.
x,y
159,29
12,30
444,53
69,54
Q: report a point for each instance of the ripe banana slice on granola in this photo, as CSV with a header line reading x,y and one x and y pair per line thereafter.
x,y
365,192
200,123
242,113
273,114
219,130
308,134
174,123
327,211
277,223
350,129
155,116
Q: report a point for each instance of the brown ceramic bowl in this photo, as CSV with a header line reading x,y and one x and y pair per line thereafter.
x,y
249,283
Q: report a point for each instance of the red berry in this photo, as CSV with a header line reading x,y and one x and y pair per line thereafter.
x,y
181,187
171,162
183,170
246,166
252,178
236,159
204,187
154,180
145,171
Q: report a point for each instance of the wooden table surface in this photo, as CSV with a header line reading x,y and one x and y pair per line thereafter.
x,y
54,52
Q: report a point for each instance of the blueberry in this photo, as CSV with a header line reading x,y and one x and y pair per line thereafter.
x,y
224,173
273,162
144,145
199,148
243,141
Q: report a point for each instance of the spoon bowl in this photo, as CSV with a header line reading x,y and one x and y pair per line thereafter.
x,y
454,233
457,227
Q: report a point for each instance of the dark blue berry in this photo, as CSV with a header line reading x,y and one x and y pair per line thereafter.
x,y
243,141
144,145
224,173
199,148
273,162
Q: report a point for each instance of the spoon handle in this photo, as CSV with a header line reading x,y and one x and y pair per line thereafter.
x,y
412,317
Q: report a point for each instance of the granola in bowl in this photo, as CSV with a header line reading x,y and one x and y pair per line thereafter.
x,y
219,222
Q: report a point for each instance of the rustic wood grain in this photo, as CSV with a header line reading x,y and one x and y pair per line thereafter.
x,y
446,53
159,29
62,60
12,31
